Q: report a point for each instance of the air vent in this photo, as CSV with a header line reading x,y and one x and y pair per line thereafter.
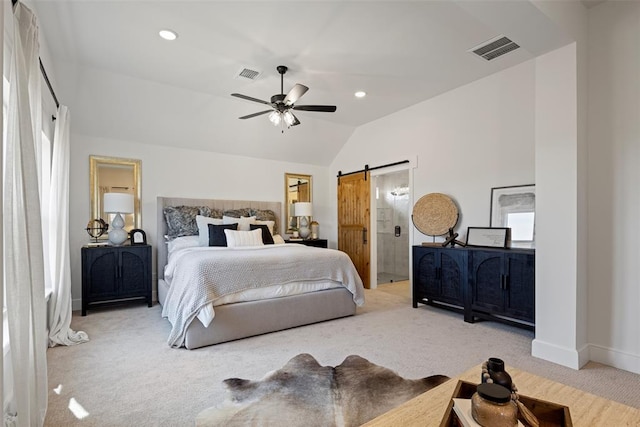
x,y
494,48
248,73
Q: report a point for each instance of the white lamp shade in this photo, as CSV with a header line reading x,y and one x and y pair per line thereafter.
x,y
304,209
118,203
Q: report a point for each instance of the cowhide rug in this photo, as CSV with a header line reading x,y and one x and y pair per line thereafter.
x,y
303,393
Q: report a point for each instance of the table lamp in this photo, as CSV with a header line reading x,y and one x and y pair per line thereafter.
x,y
118,203
304,210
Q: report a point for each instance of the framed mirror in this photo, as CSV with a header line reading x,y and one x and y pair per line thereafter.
x,y
297,188
114,175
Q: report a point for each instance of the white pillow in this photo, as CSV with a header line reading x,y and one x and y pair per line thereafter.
x,y
203,228
269,224
278,240
237,238
181,243
244,223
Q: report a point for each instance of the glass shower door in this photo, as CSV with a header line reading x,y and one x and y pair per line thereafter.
x,y
392,203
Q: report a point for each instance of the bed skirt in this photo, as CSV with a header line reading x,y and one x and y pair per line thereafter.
x,y
245,319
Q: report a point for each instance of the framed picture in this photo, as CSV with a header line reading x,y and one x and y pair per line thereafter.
x,y
515,208
489,237
138,237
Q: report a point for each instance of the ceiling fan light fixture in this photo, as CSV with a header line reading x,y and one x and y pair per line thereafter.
x,y
282,105
275,118
168,34
288,118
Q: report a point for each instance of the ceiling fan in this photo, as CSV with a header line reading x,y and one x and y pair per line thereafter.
x,y
281,104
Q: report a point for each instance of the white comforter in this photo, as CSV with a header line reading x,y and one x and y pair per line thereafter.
x,y
197,277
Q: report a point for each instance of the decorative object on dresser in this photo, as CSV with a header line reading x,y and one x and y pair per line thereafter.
x,y
436,214
304,393
118,203
115,274
138,237
315,230
515,207
96,228
488,237
492,284
304,211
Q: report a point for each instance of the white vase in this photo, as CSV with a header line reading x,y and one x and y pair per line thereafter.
x,y
117,235
304,230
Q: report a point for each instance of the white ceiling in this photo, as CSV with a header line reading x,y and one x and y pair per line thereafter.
x,y
122,81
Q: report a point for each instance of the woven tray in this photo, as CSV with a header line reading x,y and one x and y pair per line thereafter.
x,y
549,414
434,214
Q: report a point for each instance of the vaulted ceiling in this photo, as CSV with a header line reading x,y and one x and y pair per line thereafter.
x,y
122,81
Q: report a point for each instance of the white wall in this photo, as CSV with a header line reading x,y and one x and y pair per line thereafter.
x,y
466,141
614,176
174,172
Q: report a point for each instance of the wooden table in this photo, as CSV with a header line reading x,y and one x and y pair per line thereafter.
x,y
586,409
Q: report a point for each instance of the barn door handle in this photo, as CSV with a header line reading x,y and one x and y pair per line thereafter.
x,y
364,235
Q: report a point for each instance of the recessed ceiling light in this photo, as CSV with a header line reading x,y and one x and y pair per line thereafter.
x,y
360,94
168,34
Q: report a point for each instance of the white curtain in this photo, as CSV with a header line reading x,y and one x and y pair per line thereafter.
x,y
57,252
23,251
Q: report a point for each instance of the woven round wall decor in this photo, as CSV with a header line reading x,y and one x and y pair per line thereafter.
x,y
434,214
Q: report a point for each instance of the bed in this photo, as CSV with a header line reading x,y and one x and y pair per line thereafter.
x,y
246,303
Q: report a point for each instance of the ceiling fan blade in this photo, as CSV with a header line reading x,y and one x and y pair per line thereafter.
x,y
295,93
322,108
248,98
255,114
296,121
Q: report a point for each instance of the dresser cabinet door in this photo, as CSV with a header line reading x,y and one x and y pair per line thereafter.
x,y
102,274
520,287
439,275
486,281
426,277
452,276
133,273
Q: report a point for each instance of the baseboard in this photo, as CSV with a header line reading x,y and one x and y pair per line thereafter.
x,y
591,352
569,357
76,304
615,358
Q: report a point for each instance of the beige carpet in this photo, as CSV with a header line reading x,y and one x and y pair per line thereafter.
x,y
128,376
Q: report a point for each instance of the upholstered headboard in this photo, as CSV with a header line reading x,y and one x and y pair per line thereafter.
x,y
163,202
